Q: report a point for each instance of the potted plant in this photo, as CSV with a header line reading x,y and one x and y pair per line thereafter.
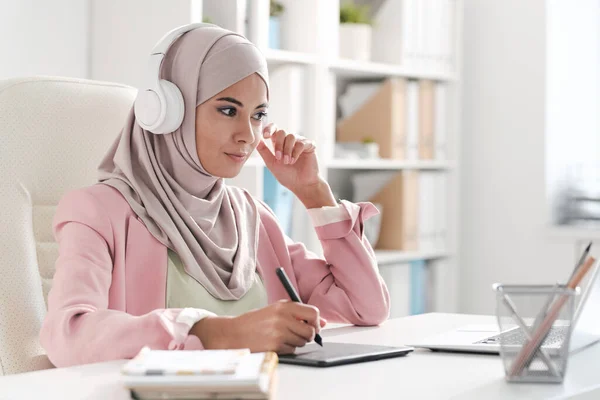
x,y
276,9
371,147
355,31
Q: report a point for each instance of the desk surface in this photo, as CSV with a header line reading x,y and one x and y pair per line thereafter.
x,y
422,374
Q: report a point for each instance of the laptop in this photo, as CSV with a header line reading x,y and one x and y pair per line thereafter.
x,y
486,338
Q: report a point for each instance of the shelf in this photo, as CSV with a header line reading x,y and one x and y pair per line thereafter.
x,y
393,256
383,164
352,68
278,57
367,69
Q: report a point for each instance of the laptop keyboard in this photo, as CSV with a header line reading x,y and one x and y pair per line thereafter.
x,y
517,337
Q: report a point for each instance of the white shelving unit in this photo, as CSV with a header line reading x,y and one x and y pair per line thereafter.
x,y
373,70
385,257
382,164
317,21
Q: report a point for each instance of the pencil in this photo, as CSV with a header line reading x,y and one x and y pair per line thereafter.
x,y
530,348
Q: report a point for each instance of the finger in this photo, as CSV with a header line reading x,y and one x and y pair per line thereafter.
x,y
306,312
278,138
309,145
302,330
323,322
265,153
288,147
298,149
269,130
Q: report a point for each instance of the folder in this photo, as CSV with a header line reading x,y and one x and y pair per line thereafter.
x,y
400,211
279,199
200,374
426,120
381,119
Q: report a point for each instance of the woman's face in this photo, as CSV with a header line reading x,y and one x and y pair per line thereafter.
x,y
229,125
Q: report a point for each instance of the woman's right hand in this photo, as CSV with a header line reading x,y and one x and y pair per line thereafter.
x,y
279,327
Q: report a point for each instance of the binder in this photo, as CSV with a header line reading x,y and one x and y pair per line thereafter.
x,y
418,287
279,199
440,122
412,120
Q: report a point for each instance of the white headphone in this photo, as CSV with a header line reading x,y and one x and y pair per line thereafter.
x,y
159,106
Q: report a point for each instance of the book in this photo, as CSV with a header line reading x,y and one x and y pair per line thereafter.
x,y
200,374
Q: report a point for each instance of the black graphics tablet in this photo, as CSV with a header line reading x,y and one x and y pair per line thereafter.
x,y
332,354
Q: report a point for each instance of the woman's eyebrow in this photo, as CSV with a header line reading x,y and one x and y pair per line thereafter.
x,y
239,103
231,100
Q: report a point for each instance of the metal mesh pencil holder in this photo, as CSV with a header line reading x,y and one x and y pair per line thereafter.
x,y
536,322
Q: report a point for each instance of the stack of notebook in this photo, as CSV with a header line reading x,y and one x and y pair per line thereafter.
x,y
206,374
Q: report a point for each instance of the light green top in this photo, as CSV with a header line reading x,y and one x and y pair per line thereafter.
x,y
184,291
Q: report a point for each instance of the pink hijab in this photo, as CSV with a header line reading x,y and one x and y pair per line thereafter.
x,y
212,227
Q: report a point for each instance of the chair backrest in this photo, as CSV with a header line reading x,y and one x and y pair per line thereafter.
x,y
53,134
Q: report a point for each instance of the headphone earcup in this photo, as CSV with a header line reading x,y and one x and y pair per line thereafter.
x,y
175,108
148,108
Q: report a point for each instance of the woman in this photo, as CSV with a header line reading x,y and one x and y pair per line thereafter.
x,y
160,252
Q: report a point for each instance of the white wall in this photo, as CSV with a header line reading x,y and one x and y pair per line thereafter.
x,y
504,233
121,45
44,37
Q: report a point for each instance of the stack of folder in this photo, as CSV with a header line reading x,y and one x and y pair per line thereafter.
x,y
201,374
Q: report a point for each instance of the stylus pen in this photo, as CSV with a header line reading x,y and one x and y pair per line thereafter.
x,y
285,281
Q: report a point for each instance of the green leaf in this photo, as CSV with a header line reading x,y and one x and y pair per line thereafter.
x,y
276,8
351,13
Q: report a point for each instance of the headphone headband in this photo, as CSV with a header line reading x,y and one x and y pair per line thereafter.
x,y
160,49
159,106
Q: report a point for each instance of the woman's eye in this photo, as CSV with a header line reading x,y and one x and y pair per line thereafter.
x,y
229,111
259,116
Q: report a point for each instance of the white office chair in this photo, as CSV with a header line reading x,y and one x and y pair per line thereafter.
x,y
53,134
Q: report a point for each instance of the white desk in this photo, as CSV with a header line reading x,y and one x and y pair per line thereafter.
x,y
420,375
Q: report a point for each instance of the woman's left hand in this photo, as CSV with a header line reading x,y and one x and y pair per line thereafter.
x,y
295,165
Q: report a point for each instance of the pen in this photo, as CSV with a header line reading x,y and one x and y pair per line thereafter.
x,y
546,307
285,281
530,347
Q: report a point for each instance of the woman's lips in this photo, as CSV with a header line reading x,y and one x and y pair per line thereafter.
x,y
237,157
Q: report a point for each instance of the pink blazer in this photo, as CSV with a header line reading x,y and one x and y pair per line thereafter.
x,y
108,295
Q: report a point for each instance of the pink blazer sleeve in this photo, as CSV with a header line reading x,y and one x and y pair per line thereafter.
x,y
344,284
79,328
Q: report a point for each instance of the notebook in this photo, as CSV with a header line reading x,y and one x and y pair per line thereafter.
x,y
200,374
